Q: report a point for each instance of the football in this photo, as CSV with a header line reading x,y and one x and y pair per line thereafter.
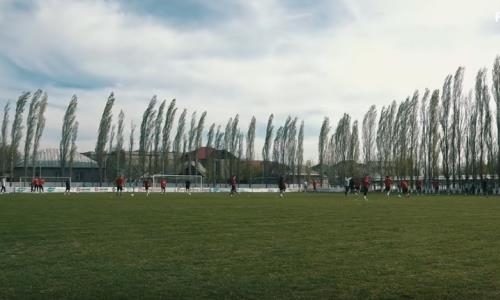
x,y
131,195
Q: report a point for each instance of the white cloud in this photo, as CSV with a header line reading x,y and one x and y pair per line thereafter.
x,y
266,59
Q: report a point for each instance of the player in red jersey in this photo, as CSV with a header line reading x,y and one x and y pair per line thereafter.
x,y
404,188
366,185
41,183
120,181
163,185
388,185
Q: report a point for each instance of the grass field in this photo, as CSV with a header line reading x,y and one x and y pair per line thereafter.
x,y
254,246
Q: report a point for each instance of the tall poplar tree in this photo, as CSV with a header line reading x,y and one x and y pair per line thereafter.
x,y
266,149
322,144
145,137
31,122
300,151
456,135
250,148
67,134
354,147
40,126
158,136
17,130
166,132
210,145
444,118
103,135
424,120
5,125
369,135
191,140
73,150
496,96
177,146
482,105
131,149
433,135
119,141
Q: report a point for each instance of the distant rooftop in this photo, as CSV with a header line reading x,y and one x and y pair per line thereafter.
x,y
49,158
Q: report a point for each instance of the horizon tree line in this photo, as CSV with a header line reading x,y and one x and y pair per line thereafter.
x,y
441,132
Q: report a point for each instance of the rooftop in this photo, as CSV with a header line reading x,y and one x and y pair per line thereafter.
x,y
49,158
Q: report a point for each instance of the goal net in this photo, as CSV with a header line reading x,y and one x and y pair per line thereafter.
x,y
47,181
178,182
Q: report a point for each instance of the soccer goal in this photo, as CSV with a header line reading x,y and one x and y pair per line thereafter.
x,y
178,182
25,181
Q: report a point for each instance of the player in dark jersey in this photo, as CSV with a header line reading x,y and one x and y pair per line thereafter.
x,y
232,181
282,186
68,187
419,186
146,186
188,187
347,181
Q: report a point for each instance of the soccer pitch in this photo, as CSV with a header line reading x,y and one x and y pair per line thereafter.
x,y
252,246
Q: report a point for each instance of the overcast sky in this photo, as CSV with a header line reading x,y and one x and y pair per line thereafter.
x,y
309,59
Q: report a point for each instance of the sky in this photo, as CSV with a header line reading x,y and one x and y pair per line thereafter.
x,y
298,58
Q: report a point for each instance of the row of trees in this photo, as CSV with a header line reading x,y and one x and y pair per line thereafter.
x,y
35,124
166,152
441,132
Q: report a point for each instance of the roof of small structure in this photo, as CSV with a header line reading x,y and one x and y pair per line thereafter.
x,y
204,153
197,166
49,158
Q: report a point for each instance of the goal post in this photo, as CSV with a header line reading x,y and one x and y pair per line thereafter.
x,y
178,182
25,181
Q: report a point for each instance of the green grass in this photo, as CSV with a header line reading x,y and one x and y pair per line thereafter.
x,y
254,246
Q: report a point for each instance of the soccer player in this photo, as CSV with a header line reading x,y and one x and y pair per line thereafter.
x,y
366,185
68,187
419,186
34,184
388,184
347,182
305,186
314,185
435,184
3,190
188,187
232,181
404,188
146,186
484,187
163,184
351,186
282,186
41,182
357,187
119,185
